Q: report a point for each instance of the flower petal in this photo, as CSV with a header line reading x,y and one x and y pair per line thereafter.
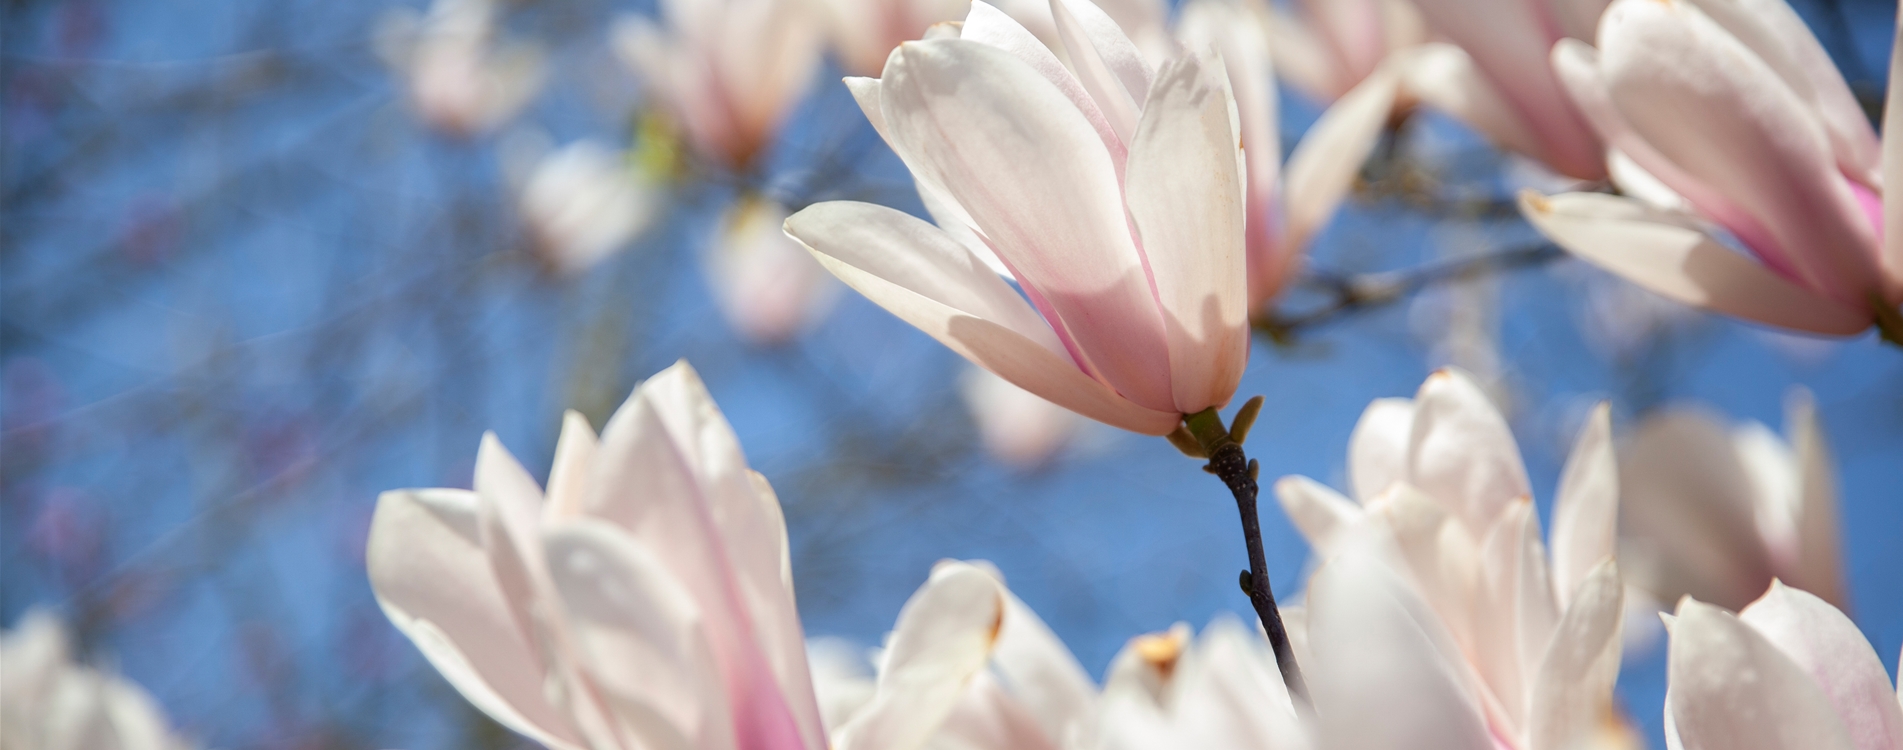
x,y
1105,61
1731,689
1586,510
1718,112
1893,167
920,274
433,579
1662,252
1447,78
1043,676
1011,150
1318,512
1686,511
1184,190
1819,568
989,26
1825,643
1377,449
943,639
1572,689
1461,453
568,479
1385,675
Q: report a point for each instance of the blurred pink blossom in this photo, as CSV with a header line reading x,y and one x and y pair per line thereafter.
x,y
769,288
49,702
460,77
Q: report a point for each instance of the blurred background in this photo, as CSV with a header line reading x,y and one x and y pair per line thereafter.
x,y
247,282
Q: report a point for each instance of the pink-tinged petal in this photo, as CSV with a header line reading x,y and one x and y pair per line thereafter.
x,y
1825,643
1318,512
1893,169
943,639
1184,191
1326,161
637,633
1508,609
1732,689
920,274
1231,692
1461,453
1358,34
766,284
989,716
1509,41
1666,253
1031,173
1377,449
1536,611
992,27
1586,510
1385,675
433,579
1579,19
1303,57
1235,31
946,213
1779,37
568,479
1719,113
1446,77
1105,61
744,514
1572,687
1045,678
1686,512
1819,568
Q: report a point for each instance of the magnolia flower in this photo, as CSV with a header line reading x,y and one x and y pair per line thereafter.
x,y
1284,211
47,702
1730,114
1790,671
1114,195
866,31
643,601
1717,512
1440,478
461,80
1017,426
582,203
969,665
1221,690
1327,47
768,286
1494,75
727,71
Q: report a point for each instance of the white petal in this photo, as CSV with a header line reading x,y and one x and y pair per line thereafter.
x,y
1819,568
1105,61
1041,673
1663,253
1445,77
1317,511
567,481
1184,190
1460,451
1825,643
1329,157
943,638
1893,166
1377,449
1572,689
1731,689
1687,511
1586,510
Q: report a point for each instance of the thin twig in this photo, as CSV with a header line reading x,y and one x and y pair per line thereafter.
x,y
1360,292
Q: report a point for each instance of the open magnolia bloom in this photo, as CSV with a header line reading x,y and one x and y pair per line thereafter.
x,y
969,665
727,71
581,203
47,702
460,79
1017,427
1440,478
1493,74
768,286
1717,512
1114,195
643,601
1728,113
1327,47
1788,672
1219,690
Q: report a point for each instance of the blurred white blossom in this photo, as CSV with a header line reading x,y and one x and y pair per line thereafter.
x,y
460,77
1018,427
582,203
1327,47
768,287
48,702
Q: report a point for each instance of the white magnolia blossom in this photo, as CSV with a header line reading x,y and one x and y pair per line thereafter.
x,y
460,77
582,203
48,702
1717,512
768,287
1440,481
1327,47
644,600
1788,672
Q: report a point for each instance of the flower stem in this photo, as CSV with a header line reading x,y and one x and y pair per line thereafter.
x,y
1238,472
1889,320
